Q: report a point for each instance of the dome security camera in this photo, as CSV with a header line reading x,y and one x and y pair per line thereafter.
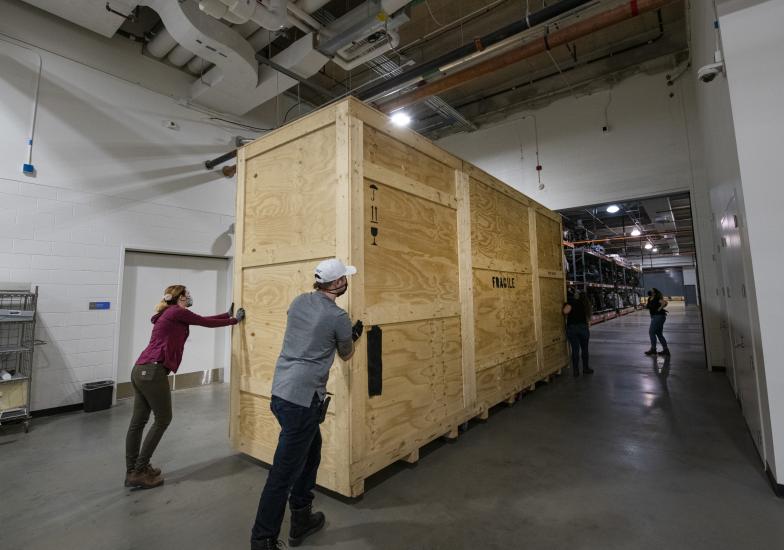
x,y
708,73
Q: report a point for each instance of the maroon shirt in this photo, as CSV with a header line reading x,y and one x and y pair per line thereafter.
x,y
169,332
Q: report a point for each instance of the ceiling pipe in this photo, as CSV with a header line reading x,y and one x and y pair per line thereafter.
x,y
273,17
479,45
556,38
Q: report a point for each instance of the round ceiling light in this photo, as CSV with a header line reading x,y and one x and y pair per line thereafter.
x,y
635,232
655,250
400,119
648,246
613,208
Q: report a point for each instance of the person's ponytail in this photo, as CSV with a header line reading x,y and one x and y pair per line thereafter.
x,y
170,297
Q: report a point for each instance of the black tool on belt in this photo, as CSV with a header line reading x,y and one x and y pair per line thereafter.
x,y
323,408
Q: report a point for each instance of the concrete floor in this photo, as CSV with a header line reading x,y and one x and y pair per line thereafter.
x,y
640,455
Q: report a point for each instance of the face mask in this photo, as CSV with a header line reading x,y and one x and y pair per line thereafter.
x,y
339,291
188,299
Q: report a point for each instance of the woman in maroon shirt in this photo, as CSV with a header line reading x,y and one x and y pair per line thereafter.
x,y
149,378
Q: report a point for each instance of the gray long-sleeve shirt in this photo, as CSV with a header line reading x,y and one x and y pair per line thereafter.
x,y
315,329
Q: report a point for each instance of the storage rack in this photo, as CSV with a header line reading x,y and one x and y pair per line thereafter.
x,y
17,345
612,286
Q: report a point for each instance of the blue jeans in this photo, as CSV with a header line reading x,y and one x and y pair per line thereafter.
x,y
657,330
294,468
578,336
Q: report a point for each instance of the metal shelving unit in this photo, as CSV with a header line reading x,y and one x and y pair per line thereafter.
x,y
612,286
17,346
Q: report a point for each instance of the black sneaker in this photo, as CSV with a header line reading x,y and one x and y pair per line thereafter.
x,y
651,352
587,371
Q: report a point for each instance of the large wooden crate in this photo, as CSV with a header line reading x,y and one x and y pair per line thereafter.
x,y
462,273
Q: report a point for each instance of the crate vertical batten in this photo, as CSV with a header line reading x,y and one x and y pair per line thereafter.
x,y
447,263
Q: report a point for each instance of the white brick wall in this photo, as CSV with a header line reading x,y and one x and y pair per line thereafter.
x,y
77,259
109,177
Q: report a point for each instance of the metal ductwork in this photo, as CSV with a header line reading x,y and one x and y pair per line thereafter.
x,y
558,37
218,40
479,46
273,17
210,39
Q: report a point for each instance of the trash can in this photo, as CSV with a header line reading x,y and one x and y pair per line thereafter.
x,y
97,396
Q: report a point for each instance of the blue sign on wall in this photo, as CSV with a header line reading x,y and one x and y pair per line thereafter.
x,y
100,305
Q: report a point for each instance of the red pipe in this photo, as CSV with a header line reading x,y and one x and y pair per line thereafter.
x,y
548,42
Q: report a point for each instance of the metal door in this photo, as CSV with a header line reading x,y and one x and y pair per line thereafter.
x,y
739,321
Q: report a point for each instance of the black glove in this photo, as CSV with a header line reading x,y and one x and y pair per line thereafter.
x,y
240,314
356,330
231,310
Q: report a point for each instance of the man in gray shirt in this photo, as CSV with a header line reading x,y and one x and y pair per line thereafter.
x,y
316,328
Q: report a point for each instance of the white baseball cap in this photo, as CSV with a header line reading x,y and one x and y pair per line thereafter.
x,y
332,270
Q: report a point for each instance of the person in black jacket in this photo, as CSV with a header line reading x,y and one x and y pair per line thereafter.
x,y
577,310
656,306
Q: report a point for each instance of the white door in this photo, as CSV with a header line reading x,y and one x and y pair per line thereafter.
x,y
739,324
145,278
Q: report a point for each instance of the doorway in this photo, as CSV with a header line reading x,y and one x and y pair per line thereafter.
x,y
145,276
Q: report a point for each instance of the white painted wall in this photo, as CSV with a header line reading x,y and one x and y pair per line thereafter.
x,y
689,276
753,42
109,176
645,153
652,149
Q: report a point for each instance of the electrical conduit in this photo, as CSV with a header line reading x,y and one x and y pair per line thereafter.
x,y
556,38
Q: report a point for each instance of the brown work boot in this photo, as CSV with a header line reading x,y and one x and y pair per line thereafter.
x,y
142,480
151,470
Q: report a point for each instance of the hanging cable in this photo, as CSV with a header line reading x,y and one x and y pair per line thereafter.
x,y
430,11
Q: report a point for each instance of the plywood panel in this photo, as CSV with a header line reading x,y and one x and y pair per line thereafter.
x,y
497,383
290,200
555,357
411,260
552,291
266,295
422,381
259,428
383,150
549,243
504,316
499,230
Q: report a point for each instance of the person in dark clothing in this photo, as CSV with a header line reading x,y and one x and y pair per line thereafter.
x,y
316,329
149,378
656,306
577,310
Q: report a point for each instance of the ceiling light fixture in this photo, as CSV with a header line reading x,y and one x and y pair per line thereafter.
x,y
648,246
655,250
400,119
613,208
635,232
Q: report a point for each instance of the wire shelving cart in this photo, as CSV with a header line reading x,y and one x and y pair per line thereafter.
x,y
17,345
